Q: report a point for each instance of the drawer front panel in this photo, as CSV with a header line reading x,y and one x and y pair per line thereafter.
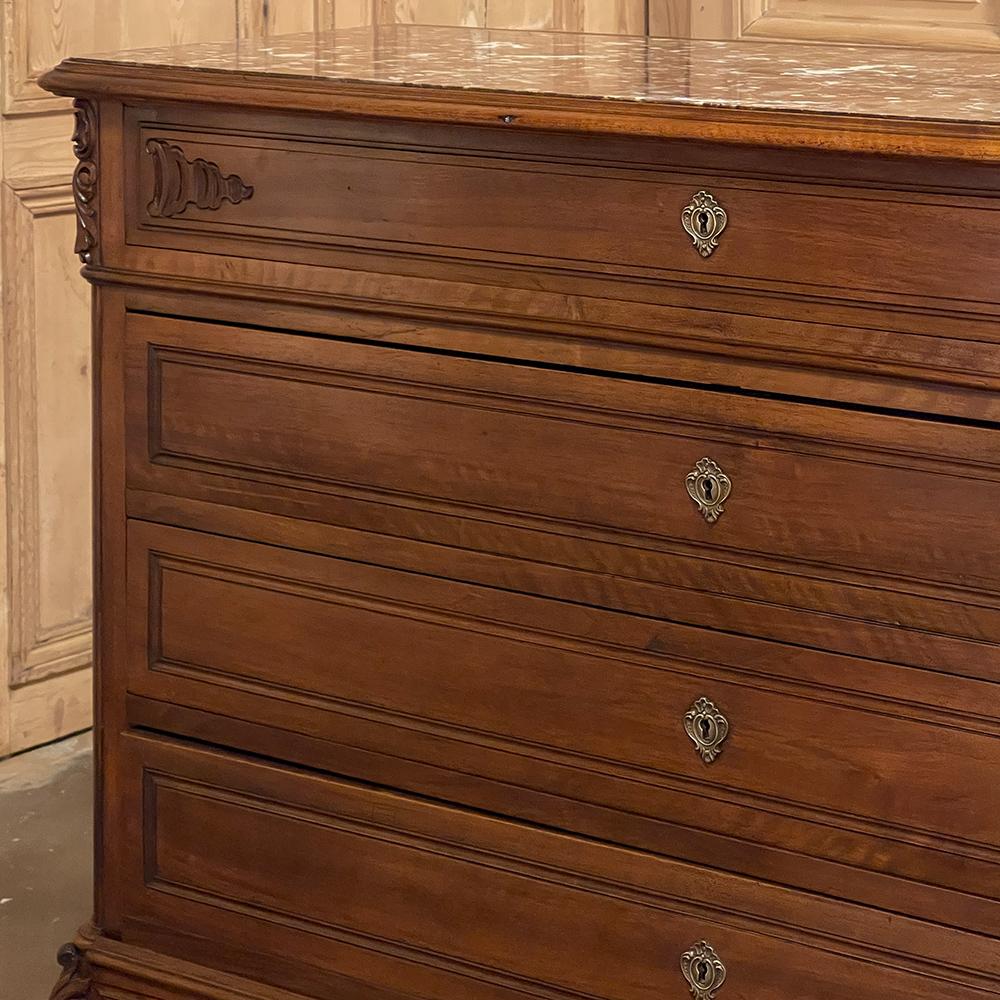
x,y
359,882
882,502
315,641
554,211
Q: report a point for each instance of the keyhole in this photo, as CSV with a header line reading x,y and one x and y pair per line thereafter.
x,y
703,972
708,488
706,730
703,223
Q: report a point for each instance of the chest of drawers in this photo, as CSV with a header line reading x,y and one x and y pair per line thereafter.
x,y
546,498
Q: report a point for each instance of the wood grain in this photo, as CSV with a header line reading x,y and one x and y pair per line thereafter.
x,y
965,25
619,17
402,598
187,425
48,386
467,13
527,215
50,709
387,860
217,627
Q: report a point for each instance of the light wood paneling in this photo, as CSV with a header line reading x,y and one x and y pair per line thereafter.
x,y
5,574
49,709
537,14
669,17
617,17
47,375
45,587
344,13
608,16
465,12
961,23
38,33
937,23
46,405
141,23
275,18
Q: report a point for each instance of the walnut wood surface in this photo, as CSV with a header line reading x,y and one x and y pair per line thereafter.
x,y
218,627
514,907
509,207
832,512
401,596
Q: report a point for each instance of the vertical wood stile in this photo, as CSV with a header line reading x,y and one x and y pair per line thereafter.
x,y
616,17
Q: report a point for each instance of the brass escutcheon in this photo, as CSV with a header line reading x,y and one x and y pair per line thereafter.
x,y
709,487
707,727
704,220
703,970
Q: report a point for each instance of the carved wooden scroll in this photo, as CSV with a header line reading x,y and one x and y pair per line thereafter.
x,y
180,183
76,982
85,179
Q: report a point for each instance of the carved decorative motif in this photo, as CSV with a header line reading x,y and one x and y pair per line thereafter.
x,y
703,970
704,220
76,982
85,179
708,729
180,183
709,487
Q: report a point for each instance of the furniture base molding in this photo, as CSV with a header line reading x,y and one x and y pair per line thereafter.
x,y
97,967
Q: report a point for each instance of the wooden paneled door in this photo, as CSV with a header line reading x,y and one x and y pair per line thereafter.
x,y
935,23
957,23
608,16
45,598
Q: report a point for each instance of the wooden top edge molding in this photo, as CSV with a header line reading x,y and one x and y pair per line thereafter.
x,y
891,101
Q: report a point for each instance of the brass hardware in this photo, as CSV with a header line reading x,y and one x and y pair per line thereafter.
x,y
704,220
707,727
709,488
703,970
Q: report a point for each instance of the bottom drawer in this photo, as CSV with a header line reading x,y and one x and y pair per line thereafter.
x,y
337,890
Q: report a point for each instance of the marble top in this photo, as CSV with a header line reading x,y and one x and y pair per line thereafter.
x,y
871,81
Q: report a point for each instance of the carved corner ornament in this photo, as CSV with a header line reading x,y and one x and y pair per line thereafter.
x,y
180,183
76,981
85,180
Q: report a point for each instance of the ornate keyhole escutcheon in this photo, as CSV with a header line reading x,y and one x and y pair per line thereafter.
x,y
707,727
704,219
709,487
703,970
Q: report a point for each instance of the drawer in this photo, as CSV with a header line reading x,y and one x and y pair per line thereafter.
x,y
321,885
597,207
743,742
861,532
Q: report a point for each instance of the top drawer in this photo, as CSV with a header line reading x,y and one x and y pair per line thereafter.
x,y
599,206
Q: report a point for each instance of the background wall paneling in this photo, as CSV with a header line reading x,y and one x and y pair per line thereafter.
x,y
958,23
471,13
616,17
45,586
